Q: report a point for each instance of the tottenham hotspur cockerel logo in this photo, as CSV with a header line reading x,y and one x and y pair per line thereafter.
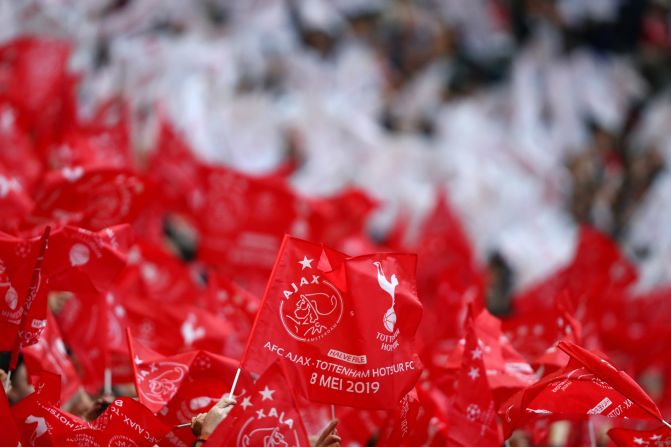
x,y
311,307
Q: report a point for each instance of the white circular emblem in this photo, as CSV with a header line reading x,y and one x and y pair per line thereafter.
x,y
79,255
312,312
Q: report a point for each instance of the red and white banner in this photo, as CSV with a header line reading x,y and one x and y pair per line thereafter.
x,y
348,324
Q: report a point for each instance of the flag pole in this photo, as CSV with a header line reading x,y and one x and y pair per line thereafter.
x,y
333,411
592,435
8,380
235,383
107,388
666,423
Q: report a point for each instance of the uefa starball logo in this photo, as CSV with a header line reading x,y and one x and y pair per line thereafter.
x,y
312,307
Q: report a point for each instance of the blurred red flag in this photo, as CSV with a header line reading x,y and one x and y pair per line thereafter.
x,y
209,377
41,423
588,385
347,323
49,354
157,377
91,198
472,417
11,437
267,415
128,422
658,437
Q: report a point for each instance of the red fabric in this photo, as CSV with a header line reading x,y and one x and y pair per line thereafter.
x,y
209,377
623,437
157,377
11,437
49,354
267,415
42,423
91,198
577,391
347,323
619,380
34,316
472,417
128,422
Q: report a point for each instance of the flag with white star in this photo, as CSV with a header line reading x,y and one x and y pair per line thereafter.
x,y
266,415
472,417
347,324
623,437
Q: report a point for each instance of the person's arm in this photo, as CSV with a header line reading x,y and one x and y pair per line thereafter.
x,y
205,423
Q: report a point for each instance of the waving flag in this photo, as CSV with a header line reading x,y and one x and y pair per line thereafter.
x,y
347,323
266,416
587,386
472,417
11,437
623,437
49,354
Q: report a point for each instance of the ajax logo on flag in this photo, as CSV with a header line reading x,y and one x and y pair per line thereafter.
x,y
312,308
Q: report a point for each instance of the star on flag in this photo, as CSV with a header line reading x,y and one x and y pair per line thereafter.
x,y
246,402
266,394
639,441
476,354
306,263
473,373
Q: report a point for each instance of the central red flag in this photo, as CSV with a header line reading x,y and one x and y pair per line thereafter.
x,y
267,416
348,323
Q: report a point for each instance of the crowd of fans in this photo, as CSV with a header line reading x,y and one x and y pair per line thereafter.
x,y
532,116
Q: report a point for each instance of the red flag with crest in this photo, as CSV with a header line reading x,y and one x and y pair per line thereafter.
x,y
347,323
267,415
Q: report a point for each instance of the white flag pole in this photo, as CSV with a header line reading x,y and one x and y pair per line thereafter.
x,y
8,380
592,435
235,383
107,387
333,411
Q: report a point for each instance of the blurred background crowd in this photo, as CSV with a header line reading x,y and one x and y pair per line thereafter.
x,y
531,117
535,115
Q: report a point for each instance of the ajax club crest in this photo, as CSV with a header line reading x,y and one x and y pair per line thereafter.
x,y
311,307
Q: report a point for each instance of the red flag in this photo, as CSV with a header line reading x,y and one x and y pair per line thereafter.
x,y
11,436
658,437
49,354
507,370
267,416
347,323
128,422
617,379
157,377
209,377
472,417
84,261
236,306
34,316
41,423
91,198
576,392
